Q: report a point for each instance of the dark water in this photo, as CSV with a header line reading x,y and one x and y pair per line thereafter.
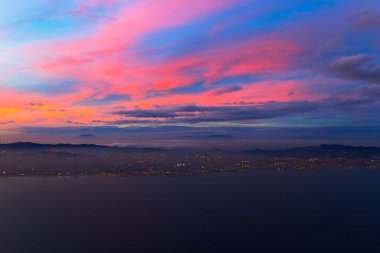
x,y
330,211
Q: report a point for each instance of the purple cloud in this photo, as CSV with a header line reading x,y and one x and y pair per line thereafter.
x,y
357,68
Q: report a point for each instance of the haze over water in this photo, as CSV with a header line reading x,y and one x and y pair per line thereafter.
x,y
321,211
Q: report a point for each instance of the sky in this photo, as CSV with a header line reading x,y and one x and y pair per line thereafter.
x,y
231,73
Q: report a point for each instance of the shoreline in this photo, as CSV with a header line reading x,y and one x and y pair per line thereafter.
x,y
4,176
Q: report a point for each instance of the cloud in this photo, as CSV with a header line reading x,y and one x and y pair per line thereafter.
x,y
197,114
35,104
74,123
105,100
87,136
146,113
245,112
370,91
368,20
48,87
357,68
225,90
7,122
209,136
221,62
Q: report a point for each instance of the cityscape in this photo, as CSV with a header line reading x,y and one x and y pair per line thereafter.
x,y
30,159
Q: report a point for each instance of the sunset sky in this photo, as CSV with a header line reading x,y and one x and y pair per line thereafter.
x,y
178,72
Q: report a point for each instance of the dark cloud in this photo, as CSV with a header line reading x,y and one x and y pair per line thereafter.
x,y
87,136
209,136
74,122
242,113
368,20
357,68
73,129
166,111
245,113
194,114
129,121
370,91
146,113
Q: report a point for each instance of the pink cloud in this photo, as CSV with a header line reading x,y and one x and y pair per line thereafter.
x,y
106,55
106,62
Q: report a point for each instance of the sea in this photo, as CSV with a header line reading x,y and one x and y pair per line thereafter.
x,y
309,211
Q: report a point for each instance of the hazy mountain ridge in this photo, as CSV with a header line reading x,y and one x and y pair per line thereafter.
x,y
33,145
321,150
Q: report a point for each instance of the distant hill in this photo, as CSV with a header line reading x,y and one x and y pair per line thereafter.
x,y
32,145
317,151
322,150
